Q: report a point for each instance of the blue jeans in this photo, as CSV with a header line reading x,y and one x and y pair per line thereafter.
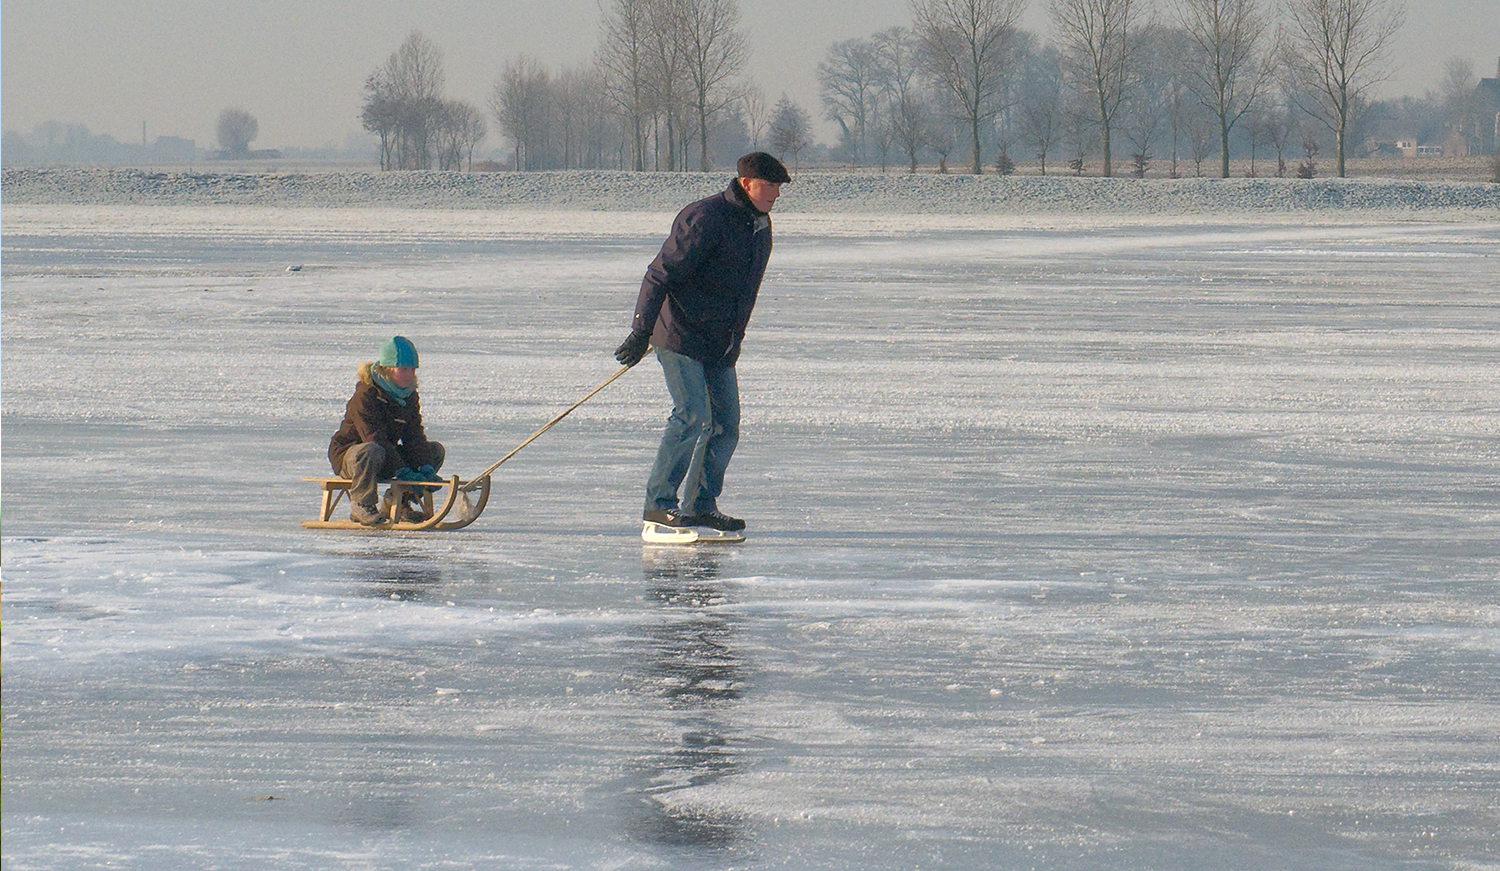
x,y
700,436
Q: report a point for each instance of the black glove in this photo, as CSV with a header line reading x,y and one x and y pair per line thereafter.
x,y
634,348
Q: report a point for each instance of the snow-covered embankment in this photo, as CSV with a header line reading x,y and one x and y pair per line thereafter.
x,y
895,193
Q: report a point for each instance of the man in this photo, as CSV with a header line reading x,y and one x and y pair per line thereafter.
x,y
693,306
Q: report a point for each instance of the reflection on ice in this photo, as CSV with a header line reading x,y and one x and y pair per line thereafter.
x,y
690,650
690,662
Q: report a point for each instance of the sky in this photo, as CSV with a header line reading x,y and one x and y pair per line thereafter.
x,y
299,66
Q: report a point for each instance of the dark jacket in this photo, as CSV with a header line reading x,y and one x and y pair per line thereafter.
x,y
698,293
373,416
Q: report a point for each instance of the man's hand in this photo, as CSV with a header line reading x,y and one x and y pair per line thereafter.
x,y
634,348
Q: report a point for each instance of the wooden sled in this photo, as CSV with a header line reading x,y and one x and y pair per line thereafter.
x,y
335,489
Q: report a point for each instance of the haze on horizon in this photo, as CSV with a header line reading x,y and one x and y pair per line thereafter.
x,y
173,65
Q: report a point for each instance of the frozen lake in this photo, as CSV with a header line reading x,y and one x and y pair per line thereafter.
x,y
1075,543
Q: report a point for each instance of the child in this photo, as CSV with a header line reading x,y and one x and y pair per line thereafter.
x,y
382,437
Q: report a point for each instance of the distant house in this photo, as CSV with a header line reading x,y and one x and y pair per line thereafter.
x,y
1462,139
1388,138
1396,138
1488,94
1489,89
1473,132
174,148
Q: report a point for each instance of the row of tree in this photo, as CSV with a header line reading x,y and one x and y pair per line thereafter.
x,y
667,88
875,91
666,91
405,108
1113,57
675,62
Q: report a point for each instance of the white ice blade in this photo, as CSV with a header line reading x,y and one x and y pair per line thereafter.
x,y
658,533
710,535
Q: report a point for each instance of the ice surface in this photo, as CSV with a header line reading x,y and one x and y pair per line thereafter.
x,y
1077,542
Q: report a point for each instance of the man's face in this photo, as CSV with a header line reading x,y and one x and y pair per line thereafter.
x,y
762,193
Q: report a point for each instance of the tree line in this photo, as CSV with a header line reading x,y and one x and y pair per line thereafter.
x,y
405,108
667,89
1171,79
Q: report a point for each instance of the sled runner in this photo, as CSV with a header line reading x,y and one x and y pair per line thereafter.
x,y
453,494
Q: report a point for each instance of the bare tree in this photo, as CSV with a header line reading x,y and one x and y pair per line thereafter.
x,y
756,113
1279,127
462,129
380,115
966,44
848,86
885,139
415,71
1079,118
791,129
1040,102
1200,131
404,104
1335,51
897,62
1160,69
624,56
1177,114
1461,103
570,117
519,103
1310,148
668,63
907,117
914,127
578,120
472,130
236,130
1225,67
715,51
1256,133
942,137
601,124
561,120
1101,36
